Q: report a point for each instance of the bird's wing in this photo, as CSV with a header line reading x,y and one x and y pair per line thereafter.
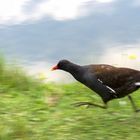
x,y
113,77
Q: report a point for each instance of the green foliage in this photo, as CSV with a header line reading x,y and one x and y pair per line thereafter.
x,y
13,77
32,111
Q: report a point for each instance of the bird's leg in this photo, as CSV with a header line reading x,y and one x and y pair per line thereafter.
x,y
133,104
88,104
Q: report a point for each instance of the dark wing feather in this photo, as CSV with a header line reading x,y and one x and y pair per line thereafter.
x,y
114,77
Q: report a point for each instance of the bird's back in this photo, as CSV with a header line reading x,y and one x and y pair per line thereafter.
x,y
122,80
115,76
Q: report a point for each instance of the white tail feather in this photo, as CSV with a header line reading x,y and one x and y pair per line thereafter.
x,y
137,83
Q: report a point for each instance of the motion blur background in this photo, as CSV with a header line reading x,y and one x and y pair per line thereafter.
x,y
37,34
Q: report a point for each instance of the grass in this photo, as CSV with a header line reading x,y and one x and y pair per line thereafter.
x,y
30,110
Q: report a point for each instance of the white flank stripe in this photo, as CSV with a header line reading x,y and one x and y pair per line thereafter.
x,y
107,86
111,89
100,81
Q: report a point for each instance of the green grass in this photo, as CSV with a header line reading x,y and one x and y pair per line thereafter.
x,y
30,110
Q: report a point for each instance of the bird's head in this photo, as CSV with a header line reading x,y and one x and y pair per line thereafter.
x,y
62,65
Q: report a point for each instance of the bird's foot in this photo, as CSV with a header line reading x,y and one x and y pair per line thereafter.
x,y
87,104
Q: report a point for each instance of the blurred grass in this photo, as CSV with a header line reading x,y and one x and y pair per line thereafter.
x,y
30,110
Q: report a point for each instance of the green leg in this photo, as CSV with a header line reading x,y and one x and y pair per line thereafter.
x,y
133,104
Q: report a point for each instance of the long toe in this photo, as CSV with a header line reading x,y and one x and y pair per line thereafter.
x,y
87,104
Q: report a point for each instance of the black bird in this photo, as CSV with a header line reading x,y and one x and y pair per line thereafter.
x,y
107,81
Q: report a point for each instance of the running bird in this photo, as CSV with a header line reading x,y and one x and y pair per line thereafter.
x,y
107,81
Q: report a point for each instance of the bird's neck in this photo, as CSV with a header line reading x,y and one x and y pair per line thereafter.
x,y
74,69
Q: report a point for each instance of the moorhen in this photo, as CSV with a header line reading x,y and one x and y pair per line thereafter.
x,y
109,82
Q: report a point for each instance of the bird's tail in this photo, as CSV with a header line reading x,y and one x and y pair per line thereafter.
x,y
137,84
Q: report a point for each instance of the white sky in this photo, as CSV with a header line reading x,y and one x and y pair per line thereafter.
x,y
13,11
128,57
